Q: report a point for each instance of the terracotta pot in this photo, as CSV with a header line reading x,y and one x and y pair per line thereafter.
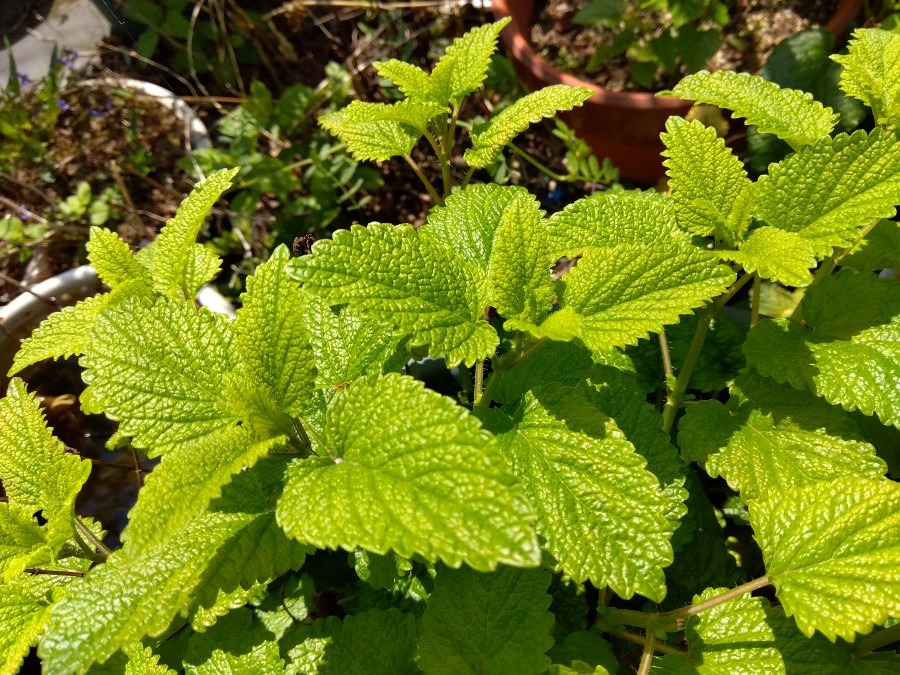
x,y
624,126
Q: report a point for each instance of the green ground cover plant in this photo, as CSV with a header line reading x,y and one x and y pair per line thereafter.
x,y
317,510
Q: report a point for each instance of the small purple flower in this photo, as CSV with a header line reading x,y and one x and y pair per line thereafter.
x,y
24,80
68,58
96,112
24,213
63,105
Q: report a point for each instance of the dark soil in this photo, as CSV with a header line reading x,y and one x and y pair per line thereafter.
x,y
756,27
108,138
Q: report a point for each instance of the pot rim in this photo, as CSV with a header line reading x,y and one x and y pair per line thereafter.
x,y
522,51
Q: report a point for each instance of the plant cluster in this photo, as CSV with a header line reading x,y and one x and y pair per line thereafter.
x,y
665,35
316,510
300,173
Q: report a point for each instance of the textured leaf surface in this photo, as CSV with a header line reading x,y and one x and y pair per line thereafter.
x,y
502,231
378,131
113,260
487,624
794,116
462,69
785,257
157,368
468,221
376,642
407,469
833,552
173,261
879,250
236,644
709,184
872,73
23,616
128,599
271,337
182,485
22,541
488,140
37,473
412,81
617,395
64,333
600,511
770,437
856,179
259,551
519,281
397,277
612,218
618,294
347,346
848,354
748,635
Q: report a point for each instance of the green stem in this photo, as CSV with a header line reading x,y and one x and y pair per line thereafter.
x,y
427,183
647,656
754,302
691,610
674,401
676,396
658,646
519,353
468,176
479,382
59,573
878,639
83,529
536,164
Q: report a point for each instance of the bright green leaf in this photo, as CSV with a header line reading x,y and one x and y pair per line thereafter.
x,y
113,260
748,635
487,624
833,552
502,231
37,473
23,616
617,395
408,470
346,346
847,354
271,337
127,599
462,69
22,541
64,333
709,184
856,179
600,511
489,140
395,276
771,437
792,115
158,369
412,81
173,261
612,218
190,475
379,131
872,73
785,257
618,294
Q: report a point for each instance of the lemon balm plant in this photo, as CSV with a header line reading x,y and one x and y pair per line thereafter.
x,y
476,530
